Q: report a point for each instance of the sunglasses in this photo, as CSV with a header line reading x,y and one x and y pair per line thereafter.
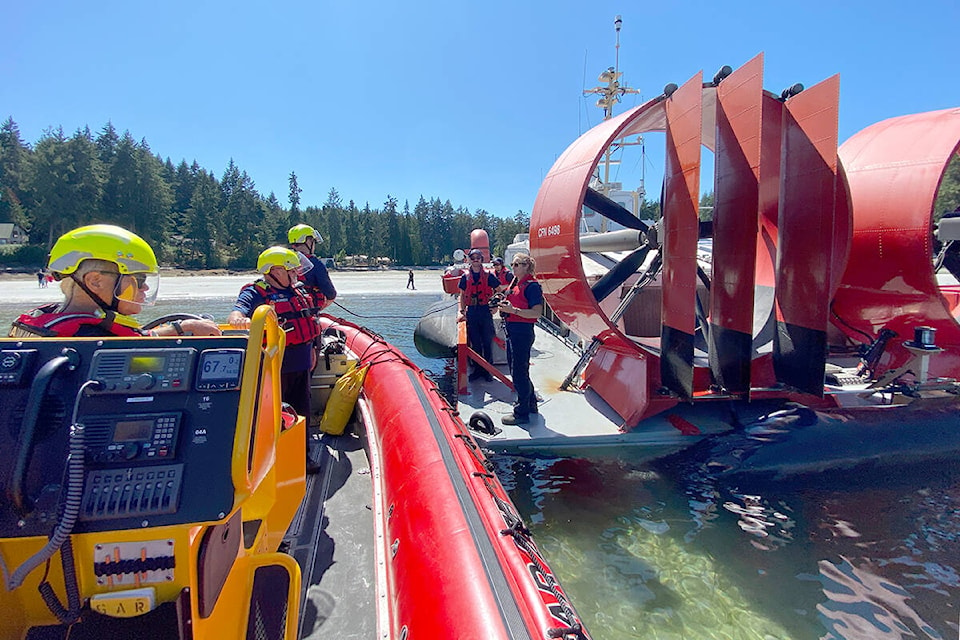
x,y
476,258
519,264
141,278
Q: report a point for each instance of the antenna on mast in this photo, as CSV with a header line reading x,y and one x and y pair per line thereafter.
x,y
610,94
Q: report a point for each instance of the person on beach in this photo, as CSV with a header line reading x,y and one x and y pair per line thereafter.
x,y
521,308
281,289
410,284
41,279
477,287
107,275
503,274
304,240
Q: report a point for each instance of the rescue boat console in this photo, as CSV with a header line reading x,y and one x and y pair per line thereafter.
x,y
147,480
155,435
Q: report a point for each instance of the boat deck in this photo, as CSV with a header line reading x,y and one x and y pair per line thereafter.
x,y
332,539
575,420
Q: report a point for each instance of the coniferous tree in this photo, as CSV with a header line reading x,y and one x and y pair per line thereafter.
x,y
294,196
333,214
184,184
406,237
450,237
275,220
151,206
244,216
202,228
389,230
51,212
352,222
107,143
120,188
421,213
83,180
14,160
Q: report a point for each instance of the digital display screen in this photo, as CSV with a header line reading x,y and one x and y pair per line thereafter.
x,y
133,431
147,364
220,365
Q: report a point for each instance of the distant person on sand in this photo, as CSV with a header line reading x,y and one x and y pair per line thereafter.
x,y
280,287
41,279
304,240
410,284
107,275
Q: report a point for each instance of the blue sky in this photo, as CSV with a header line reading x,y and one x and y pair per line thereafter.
x,y
468,101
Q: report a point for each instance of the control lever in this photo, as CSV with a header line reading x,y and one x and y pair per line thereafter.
x,y
871,353
28,427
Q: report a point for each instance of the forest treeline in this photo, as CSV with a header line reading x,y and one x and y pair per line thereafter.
x,y
194,219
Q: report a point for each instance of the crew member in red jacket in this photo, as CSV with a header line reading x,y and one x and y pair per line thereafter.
x,y
503,274
522,307
477,287
280,288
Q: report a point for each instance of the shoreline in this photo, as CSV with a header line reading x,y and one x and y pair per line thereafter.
x,y
164,272
174,272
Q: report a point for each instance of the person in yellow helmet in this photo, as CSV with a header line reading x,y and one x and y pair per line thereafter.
x,y
304,240
107,275
281,289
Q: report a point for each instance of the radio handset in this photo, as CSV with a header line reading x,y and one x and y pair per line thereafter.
x,y
28,426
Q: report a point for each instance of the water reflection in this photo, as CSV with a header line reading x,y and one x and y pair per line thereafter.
x,y
675,551
862,604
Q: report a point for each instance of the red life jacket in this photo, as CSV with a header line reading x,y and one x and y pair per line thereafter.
x,y
295,311
478,293
504,276
316,295
516,297
47,322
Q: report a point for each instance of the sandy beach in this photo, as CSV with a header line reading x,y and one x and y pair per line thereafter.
x,y
178,284
215,293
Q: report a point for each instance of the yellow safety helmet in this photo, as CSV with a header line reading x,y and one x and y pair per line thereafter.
x,y
278,257
299,233
131,253
127,250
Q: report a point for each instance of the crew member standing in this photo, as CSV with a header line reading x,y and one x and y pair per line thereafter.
x,y
477,287
304,239
522,307
503,274
280,288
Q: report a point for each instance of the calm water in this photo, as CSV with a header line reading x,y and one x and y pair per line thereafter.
x,y
674,550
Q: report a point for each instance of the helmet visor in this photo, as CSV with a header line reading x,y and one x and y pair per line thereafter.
x,y
139,288
305,265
